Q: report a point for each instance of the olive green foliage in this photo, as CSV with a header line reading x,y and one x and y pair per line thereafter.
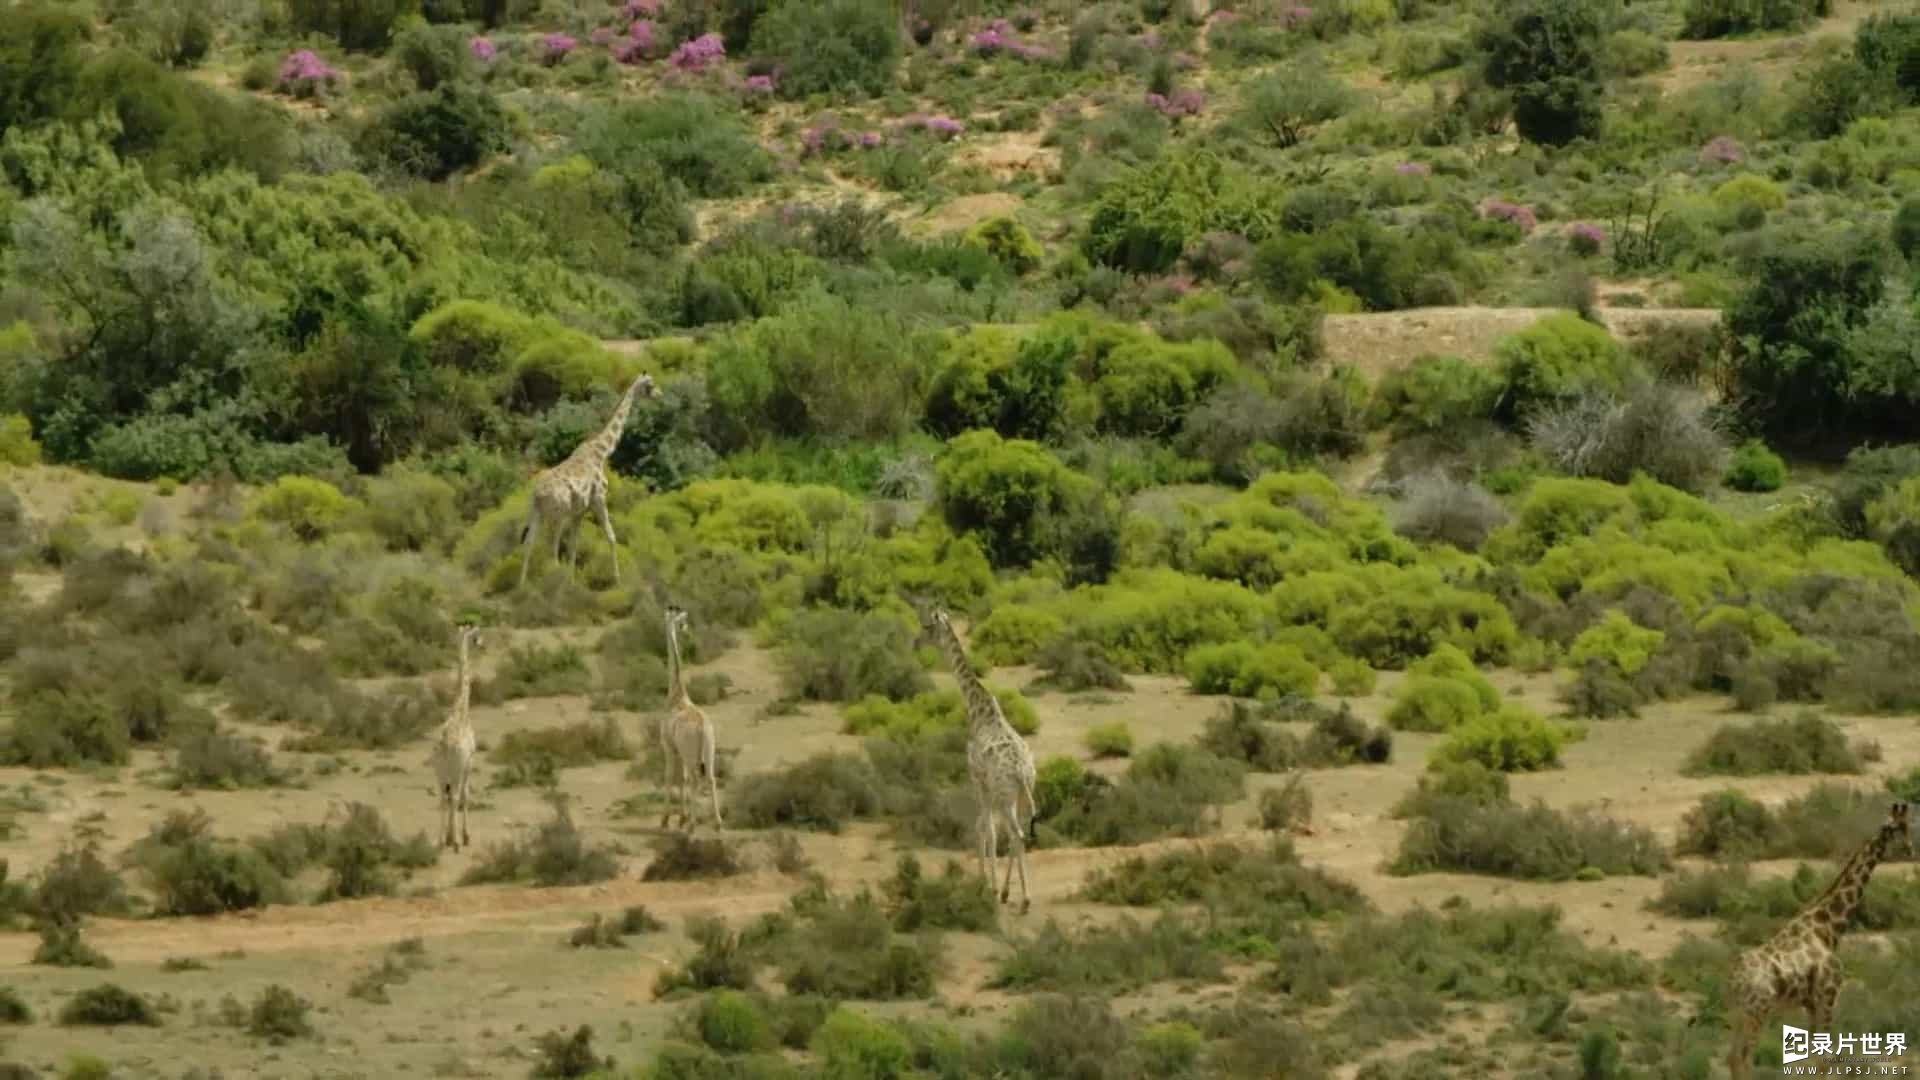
x,y
1144,220
1753,467
1546,54
841,46
1552,361
1511,739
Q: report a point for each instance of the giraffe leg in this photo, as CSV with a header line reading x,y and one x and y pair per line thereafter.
x,y
526,552
1019,860
446,817
1006,880
1746,1029
606,526
713,787
465,840
982,827
1825,994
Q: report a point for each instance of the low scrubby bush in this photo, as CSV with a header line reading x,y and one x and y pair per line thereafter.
x,y
684,857
556,853
1513,739
1805,743
1472,835
108,1005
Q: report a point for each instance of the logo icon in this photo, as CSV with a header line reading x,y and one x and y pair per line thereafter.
x,y
1793,1044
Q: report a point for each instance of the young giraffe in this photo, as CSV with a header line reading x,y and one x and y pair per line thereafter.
x,y
685,732
998,760
452,758
563,494
1798,965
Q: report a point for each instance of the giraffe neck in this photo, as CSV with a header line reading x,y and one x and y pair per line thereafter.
x,y
676,685
1828,914
601,446
982,708
464,697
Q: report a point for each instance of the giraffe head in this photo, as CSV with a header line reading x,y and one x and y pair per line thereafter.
x,y
644,386
676,619
1896,833
470,635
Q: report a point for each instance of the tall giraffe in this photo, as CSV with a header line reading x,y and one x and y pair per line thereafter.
x,y
685,732
453,750
998,760
1799,965
563,494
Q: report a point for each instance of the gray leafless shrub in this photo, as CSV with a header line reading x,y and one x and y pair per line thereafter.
x,y
1437,508
1652,427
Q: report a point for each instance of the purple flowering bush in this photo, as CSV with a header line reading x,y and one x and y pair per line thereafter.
x,y
555,47
828,137
482,49
1585,238
1722,150
999,39
1413,168
1509,212
697,54
304,75
939,125
637,45
1188,102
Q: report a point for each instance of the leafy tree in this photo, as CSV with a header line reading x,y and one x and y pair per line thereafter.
x,y
436,133
1888,45
355,24
1794,359
40,63
1546,55
1286,106
693,137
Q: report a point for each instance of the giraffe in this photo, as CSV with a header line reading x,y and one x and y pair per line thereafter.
x,y
563,494
685,733
1798,965
453,751
998,760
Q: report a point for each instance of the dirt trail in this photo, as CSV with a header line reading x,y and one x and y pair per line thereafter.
x,y
1379,342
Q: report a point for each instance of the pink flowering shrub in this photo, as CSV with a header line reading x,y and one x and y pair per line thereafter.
x,y
637,45
999,38
940,124
482,49
1722,150
1294,16
1181,103
1512,213
304,75
636,9
760,84
1413,168
696,54
555,47
1585,238
602,35
829,137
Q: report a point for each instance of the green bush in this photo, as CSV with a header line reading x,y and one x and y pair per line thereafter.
x,y
1110,739
17,445
108,1005
693,138
1805,743
1546,54
436,133
1008,242
1148,216
1011,494
850,1044
1510,740
1552,361
1459,834
433,54
840,47
1756,468
278,1014
1617,642
1244,670
827,654
1436,395
1707,19
732,1023
956,900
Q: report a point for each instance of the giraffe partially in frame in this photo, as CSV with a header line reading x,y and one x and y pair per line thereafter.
x,y
1799,965
686,734
453,750
564,494
998,760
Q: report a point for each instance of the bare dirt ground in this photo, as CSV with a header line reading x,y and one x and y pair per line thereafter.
x,y
498,972
1691,63
1380,342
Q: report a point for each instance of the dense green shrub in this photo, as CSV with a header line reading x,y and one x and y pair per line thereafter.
x,y
694,138
436,133
826,654
108,1005
1144,220
1510,740
1245,670
354,25
1012,494
1706,19
1546,54
842,46
1753,467
1459,834
1552,361
1805,743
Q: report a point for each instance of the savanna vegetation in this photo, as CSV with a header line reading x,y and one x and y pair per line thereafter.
x,y
1150,339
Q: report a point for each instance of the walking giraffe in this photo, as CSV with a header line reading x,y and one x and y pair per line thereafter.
x,y
685,733
1799,965
453,750
563,494
998,760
